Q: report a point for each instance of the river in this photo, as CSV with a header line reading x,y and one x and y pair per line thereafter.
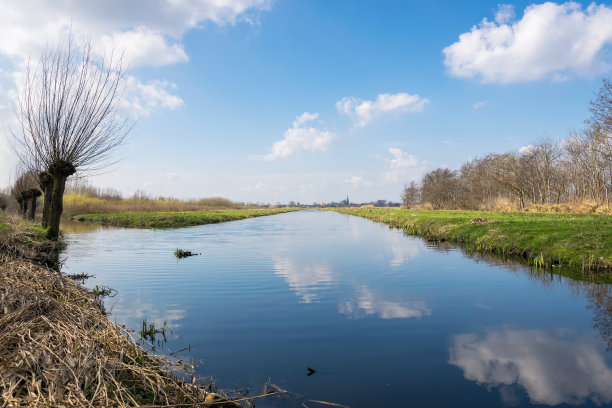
x,y
384,319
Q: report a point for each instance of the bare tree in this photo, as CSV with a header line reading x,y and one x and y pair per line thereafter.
x,y
70,118
411,195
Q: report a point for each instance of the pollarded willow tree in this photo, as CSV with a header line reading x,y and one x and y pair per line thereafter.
x,y
70,118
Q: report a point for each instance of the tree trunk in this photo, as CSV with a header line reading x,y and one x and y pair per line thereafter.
x,y
56,206
24,210
32,213
60,171
34,193
46,182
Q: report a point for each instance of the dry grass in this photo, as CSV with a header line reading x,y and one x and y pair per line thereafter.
x,y
75,203
503,204
59,349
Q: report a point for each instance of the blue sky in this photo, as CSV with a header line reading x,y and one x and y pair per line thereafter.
x,y
267,101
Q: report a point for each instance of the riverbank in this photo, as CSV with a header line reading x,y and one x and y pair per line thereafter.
x,y
176,219
580,242
59,348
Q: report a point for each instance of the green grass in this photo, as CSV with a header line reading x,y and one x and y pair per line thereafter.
x,y
175,219
577,245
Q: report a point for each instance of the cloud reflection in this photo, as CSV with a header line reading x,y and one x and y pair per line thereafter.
x,y
368,303
133,311
404,249
304,280
553,367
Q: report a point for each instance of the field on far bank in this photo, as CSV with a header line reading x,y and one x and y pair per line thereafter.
x,y
84,203
176,219
582,242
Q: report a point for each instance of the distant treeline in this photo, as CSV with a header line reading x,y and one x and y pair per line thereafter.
x,y
573,172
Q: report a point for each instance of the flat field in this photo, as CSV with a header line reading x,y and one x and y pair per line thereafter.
x,y
175,219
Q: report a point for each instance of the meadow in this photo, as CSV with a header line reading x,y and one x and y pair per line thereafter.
x,y
176,219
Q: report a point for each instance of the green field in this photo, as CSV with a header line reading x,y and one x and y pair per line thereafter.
x,y
580,242
175,219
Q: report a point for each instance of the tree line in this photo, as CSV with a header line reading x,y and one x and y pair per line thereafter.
x,y
573,170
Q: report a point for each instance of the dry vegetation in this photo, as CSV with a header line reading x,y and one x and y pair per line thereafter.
x,y
59,349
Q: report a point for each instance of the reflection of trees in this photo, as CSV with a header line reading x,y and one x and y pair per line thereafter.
x,y
553,367
601,304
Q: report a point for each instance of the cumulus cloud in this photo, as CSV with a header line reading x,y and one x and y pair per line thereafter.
x,y
365,111
551,41
404,166
553,367
148,31
299,138
144,98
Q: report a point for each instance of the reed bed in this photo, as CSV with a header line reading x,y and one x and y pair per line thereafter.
x,y
79,203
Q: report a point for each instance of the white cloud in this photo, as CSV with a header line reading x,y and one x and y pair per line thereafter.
x,y
526,149
299,138
552,366
551,41
365,111
143,46
479,105
357,182
404,167
144,98
148,31
505,14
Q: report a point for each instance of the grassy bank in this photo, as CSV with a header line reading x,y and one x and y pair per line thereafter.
x,y
58,348
175,219
580,242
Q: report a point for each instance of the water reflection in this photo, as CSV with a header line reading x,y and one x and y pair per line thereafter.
x,y
133,311
303,279
553,367
403,250
76,227
369,303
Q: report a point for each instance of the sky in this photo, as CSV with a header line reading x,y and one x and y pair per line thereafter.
x,y
285,100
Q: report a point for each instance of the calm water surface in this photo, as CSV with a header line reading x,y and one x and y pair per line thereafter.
x,y
385,319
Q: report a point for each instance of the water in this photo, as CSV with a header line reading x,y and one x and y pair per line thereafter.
x,y
384,319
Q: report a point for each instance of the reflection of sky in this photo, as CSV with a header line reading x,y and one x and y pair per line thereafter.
x,y
304,280
553,367
368,303
132,311
403,249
